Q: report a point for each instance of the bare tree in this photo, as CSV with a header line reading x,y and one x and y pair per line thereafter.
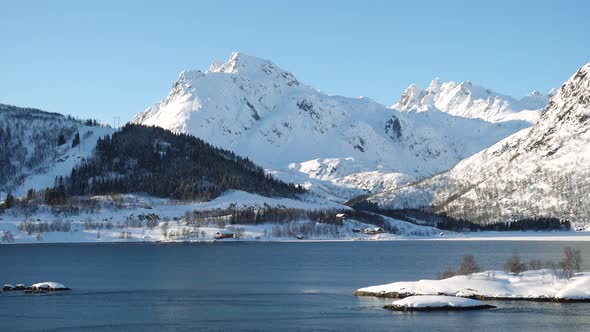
x,y
571,262
514,265
468,266
151,223
7,236
164,228
238,232
535,264
447,274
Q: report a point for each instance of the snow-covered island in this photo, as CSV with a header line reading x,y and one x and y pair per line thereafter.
x,y
437,303
40,287
534,285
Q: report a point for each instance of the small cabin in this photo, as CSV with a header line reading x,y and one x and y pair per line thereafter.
x,y
223,234
341,216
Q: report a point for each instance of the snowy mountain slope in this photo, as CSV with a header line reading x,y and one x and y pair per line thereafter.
x,y
30,154
258,110
538,172
472,101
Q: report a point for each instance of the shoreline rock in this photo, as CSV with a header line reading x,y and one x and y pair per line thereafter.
x,y
441,308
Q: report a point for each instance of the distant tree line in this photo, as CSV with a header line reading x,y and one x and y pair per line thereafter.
x,y
280,215
445,222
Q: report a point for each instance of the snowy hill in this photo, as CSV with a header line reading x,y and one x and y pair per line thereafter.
x,y
538,172
472,101
258,110
31,155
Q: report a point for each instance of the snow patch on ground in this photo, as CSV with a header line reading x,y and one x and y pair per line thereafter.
x,y
530,285
436,302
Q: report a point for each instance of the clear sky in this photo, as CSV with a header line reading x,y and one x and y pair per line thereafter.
x,y
114,58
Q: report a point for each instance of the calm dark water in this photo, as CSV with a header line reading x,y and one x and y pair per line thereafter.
x,y
258,286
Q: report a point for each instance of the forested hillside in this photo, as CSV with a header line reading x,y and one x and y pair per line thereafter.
x,y
31,141
160,163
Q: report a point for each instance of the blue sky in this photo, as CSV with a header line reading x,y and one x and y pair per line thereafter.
x,y
114,58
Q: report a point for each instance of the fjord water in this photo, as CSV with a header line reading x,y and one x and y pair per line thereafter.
x,y
259,286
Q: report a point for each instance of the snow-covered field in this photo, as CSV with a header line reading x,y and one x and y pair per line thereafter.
x,y
539,285
123,218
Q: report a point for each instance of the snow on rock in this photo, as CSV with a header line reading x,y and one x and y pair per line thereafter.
x,y
49,285
537,285
472,101
437,302
253,107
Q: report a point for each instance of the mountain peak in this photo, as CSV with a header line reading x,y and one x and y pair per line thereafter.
x,y
434,85
472,101
535,93
240,63
243,64
571,103
410,97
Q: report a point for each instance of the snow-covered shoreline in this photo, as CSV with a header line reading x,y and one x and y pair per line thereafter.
x,y
537,285
124,219
89,238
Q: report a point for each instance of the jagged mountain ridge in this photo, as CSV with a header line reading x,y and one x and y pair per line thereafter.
x,y
472,101
253,107
538,172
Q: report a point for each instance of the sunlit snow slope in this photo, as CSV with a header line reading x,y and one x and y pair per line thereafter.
x,y
538,172
332,143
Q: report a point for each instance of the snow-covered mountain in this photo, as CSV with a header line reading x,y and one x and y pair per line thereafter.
x,y
538,172
472,101
31,154
253,107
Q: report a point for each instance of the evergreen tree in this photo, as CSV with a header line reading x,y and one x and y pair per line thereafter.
x,y
8,202
76,140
